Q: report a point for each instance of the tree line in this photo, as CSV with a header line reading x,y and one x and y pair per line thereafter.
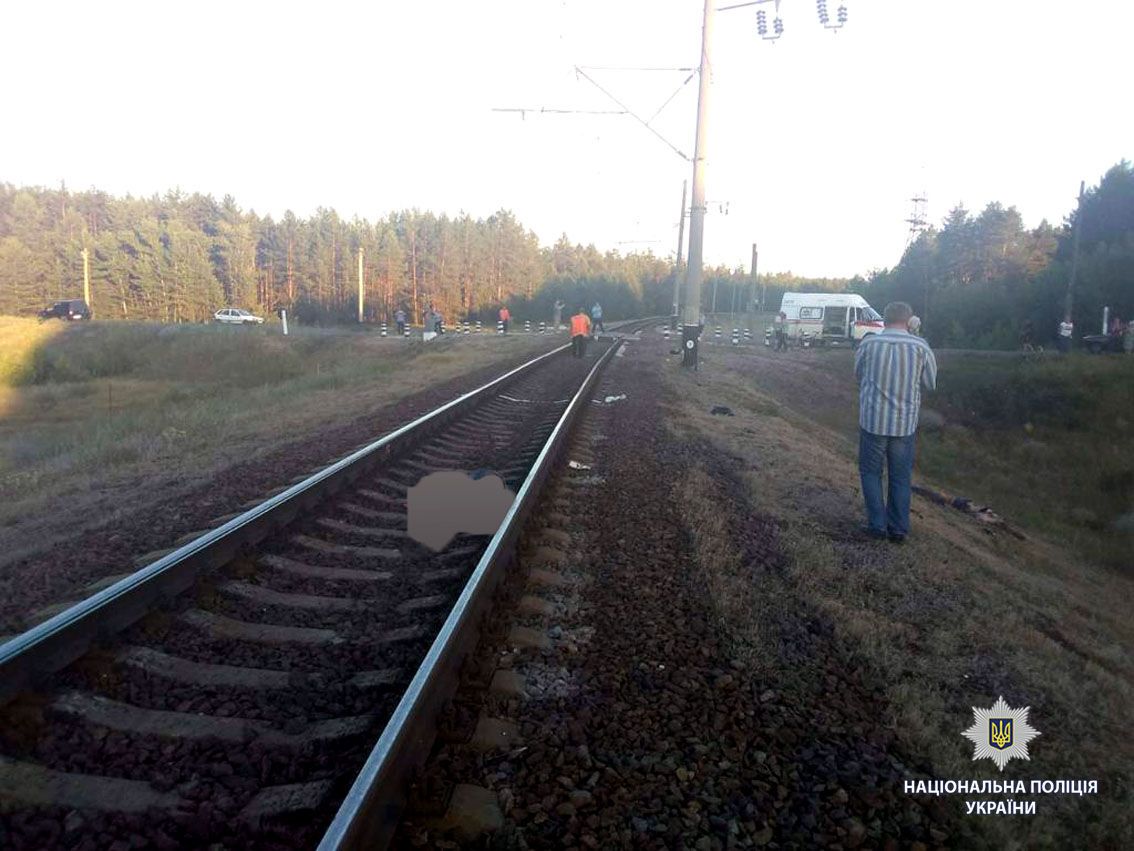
x,y
977,280
179,257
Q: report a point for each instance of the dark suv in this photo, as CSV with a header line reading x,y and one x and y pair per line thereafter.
x,y
74,308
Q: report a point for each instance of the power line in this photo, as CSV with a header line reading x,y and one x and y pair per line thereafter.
x,y
629,68
631,112
672,96
554,111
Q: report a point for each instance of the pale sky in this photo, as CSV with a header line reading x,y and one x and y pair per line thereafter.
x,y
817,141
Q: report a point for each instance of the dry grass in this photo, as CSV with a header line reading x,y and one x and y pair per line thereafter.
x,y
83,406
954,619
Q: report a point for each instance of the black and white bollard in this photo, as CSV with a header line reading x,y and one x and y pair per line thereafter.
x,y
527,326
768,337
465,329
748,335
736,336
717,333
500,327
665,332
383,331
479,326
406,333
543,327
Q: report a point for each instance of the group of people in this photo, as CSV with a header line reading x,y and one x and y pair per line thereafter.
x,y
588,323
1066,331
431,320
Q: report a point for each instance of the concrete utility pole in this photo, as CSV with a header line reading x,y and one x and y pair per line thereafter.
x,y
87,278
677,276
691,312
752,298
1069,303
360,280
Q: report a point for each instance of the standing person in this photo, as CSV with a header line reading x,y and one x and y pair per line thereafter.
x,y
779,331
596,317
1066,328
580,330
557,316
915,325
892,367
400,319
505,317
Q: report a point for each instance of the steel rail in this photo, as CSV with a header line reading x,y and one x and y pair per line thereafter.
x,y
60,640
369,814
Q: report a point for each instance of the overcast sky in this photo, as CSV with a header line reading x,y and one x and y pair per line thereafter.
x,y
816,142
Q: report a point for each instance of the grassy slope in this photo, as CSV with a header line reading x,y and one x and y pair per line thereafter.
x,y
82,404
1047,442
955,618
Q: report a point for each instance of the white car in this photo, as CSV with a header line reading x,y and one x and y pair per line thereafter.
x,y
236,316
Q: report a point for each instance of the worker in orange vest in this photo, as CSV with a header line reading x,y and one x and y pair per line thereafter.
x,y
580,331
505,316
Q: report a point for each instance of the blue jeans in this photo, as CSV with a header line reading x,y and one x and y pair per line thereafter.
x,y
897,454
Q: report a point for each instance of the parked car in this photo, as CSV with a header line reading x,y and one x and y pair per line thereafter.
x,y
72,309
1098,343
236,316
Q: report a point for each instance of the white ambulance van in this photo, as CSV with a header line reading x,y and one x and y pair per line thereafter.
x,y
823,318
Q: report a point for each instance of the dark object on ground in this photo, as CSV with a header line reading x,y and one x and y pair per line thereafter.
x,y
1096,344
71,309
722,411
897,539
931,495
962,503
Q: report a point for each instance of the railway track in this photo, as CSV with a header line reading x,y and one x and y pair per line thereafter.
x,y
274,682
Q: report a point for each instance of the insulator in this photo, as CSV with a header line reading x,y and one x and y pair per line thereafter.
x,y
842,14
778,24
761,22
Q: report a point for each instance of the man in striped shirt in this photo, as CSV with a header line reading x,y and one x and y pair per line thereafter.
x,y
891,368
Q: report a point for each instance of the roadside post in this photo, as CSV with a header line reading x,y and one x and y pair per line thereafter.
x,y
283,318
